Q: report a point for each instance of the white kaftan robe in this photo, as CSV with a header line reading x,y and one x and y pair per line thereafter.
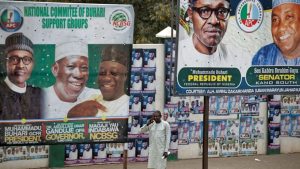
x,y
159,140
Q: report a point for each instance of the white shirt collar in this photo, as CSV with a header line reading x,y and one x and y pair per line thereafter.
x,y
15,88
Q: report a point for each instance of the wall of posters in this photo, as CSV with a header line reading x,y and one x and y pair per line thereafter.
x,y
145,96
284,126
234,134
25,156
240,52
56,72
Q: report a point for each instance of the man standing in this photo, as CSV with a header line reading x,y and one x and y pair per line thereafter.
x,y
112,80
17,99
286,36
159,140
71,72
204,48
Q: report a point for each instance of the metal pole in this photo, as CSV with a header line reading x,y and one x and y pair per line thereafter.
x,y
171,54
125,159
205,133
172,22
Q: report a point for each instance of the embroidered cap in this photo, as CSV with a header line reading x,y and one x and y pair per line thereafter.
x,y
276,3
18,41
72,47
116,53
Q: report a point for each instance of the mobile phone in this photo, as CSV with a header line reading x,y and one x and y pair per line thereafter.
x,y
163,157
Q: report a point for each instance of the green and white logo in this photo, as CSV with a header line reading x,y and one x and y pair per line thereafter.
x,y
11,19
120,20
249,15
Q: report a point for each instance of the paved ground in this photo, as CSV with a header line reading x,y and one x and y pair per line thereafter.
x,y
282,161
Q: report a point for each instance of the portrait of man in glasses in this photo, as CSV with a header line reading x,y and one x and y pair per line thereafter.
x,y
112,78
203,48
18,100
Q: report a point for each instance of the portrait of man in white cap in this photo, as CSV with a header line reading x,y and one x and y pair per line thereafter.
x,y
285,29
71,70
112,78
18,100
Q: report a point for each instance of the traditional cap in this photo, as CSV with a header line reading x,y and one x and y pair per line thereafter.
x,y
276,3
116,53
73,47
18,41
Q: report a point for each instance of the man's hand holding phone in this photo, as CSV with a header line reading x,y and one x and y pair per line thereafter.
x,y
165,155
150,121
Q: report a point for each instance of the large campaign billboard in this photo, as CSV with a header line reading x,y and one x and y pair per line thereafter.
x,y
64,72
234,47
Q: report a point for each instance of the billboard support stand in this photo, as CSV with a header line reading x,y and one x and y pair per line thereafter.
x,y
125,159
205,133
